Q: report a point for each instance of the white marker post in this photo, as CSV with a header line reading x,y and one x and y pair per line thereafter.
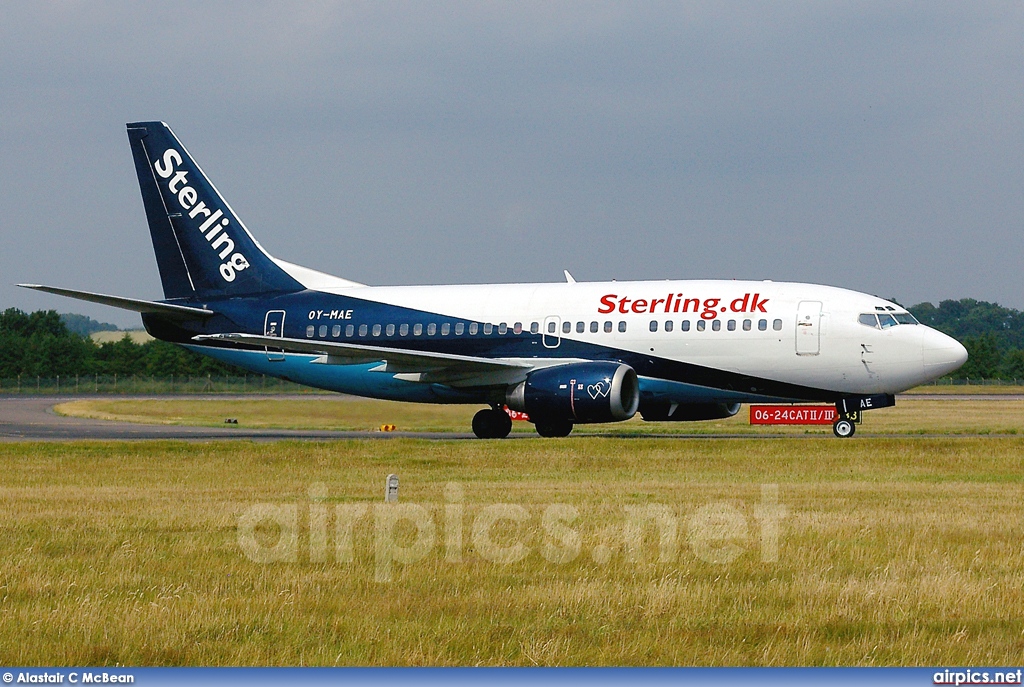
x,y
391,489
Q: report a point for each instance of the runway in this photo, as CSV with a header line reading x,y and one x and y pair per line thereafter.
x,y
31,418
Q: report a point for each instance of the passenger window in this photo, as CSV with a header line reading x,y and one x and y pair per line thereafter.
x,y
716,325
417,329
336,330
488,328
363,329
390,330
534,327
473,328
685,325
310,330
460,327
868,319
323,331
446,329
517,328
403,330
762,325
777,325
701,324
502,328
746,325
668,325
566,327
376,330
886,320
581,327
551,327
431,329
654,325
350,330
593,327
622,326
732,325
607,326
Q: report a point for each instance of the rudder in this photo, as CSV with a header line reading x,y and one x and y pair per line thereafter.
x,y
202,249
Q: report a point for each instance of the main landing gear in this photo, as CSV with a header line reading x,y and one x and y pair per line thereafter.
x,y
492,423
553,428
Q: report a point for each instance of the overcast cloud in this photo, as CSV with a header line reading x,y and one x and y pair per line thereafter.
x,y
874,146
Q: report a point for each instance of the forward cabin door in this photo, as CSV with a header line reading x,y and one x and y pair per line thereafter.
x,y
808,328
273,325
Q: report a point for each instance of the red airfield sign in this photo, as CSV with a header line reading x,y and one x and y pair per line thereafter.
x,y
792,415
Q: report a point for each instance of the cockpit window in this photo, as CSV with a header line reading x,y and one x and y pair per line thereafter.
x,y
868,319
886,320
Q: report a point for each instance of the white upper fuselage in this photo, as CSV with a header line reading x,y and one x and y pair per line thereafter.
x,y
755,328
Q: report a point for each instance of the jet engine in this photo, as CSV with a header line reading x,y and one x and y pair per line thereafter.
x,y
578,393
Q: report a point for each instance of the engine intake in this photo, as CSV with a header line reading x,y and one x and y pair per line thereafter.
x,y
578,392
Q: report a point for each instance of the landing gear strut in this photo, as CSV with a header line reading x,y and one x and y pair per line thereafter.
x,y
492,423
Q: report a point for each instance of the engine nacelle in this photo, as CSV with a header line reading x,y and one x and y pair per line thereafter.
x,y
578,392
688,412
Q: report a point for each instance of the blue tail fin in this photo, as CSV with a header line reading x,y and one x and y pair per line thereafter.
x,y
202,249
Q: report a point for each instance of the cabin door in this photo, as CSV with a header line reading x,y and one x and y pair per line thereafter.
x,y
808,328
273,325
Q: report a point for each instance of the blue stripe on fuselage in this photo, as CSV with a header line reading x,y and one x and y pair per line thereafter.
x,y
358,380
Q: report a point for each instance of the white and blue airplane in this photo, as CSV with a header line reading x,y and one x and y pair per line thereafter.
x,y
563,353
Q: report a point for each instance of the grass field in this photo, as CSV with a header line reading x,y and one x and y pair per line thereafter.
x,y
915,415
892,550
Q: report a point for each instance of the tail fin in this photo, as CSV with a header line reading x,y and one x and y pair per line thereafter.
x,y
202,249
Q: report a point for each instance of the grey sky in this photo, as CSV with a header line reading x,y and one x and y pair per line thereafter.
x,y
875,146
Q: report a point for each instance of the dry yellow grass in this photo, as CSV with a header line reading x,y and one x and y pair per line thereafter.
x,y
902,550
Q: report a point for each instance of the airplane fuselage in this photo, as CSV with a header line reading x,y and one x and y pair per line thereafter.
x,y
689,341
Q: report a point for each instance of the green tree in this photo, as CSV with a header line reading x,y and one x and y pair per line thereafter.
x,y
1013,364
984,359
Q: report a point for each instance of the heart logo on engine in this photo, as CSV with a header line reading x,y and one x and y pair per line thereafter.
x,y
599,389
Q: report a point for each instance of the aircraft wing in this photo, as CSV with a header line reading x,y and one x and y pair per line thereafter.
x,y
125,303
414,366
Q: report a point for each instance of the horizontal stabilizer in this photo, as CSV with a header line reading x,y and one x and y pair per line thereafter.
x,y
421,366
133,304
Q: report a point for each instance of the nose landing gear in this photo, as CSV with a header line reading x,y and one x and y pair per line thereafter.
x,y
844,428
850,408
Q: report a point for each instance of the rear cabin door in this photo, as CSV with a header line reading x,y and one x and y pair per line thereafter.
x,y
273,325
808,328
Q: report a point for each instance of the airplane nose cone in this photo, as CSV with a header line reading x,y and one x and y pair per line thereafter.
x,y
941,354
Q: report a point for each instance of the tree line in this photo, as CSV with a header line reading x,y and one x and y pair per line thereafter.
x,y
993,336
41,344
47,344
